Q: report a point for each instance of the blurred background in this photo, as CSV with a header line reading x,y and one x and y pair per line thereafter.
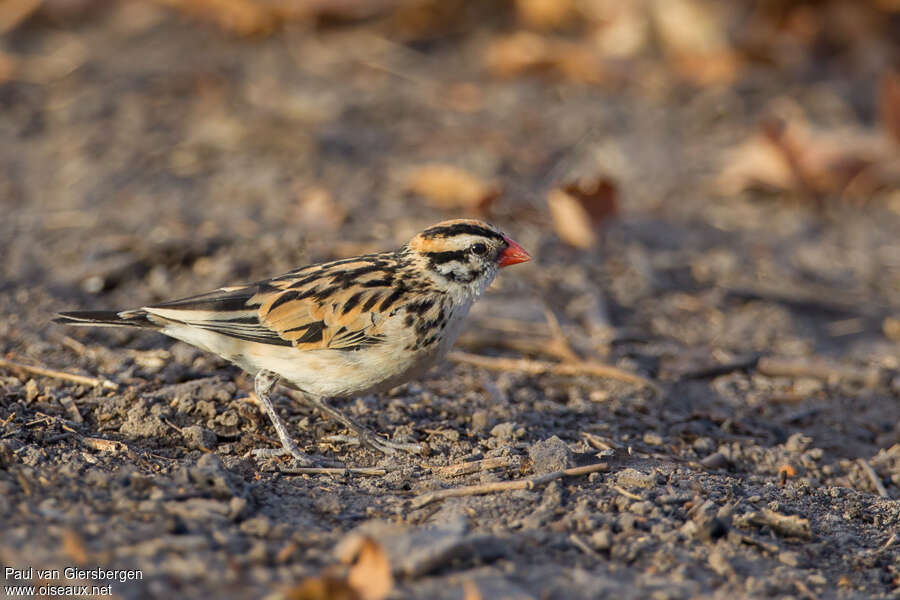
x,y
702,183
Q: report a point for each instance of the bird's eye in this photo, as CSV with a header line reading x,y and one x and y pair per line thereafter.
x,y
479,249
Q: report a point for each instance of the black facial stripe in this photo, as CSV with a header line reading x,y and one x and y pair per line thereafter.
x,y
464,277
459,229
439,258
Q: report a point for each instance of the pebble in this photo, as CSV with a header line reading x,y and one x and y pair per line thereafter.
x,y
550,455
197,437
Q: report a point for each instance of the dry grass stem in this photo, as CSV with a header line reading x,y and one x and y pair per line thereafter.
x,y
873,477
475,466
79,379
505,486
539,367
373,471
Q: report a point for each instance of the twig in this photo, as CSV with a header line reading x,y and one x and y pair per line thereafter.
x,y
505,486
539,367
598,442
465,468
80,379
816,368
709,372
873,477
112,446
626,493
70,406
582,545
560,345
374,471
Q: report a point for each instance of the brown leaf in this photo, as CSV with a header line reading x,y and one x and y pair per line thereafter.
x,y
317,210
694,37
889,104
448,187
524,52
371,575
545,14
322,588
579,208
73,547
789,154
470,591
13,12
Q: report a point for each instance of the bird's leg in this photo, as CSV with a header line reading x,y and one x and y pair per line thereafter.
x,y
366,437
263,383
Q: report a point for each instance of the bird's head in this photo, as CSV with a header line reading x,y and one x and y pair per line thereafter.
x,y
463,255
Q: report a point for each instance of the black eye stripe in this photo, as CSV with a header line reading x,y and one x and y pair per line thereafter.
x,y
439,258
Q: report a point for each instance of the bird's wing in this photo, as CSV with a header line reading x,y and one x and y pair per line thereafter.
x,y
333,306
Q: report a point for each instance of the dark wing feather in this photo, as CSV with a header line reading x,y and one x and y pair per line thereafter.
x,y
328,306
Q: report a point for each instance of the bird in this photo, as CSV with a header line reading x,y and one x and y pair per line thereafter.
x,y
339,329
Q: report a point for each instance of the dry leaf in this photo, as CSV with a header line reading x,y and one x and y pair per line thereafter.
x,y
322,588
545,14
241,17
518,53
694,37
73,547
789,154
369,578
578,209
371,575
447,187
889,104
786,471
13,12
524,52
317,210
470,591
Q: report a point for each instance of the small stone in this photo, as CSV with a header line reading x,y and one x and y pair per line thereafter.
x,y
504,431
259,526
641,508
719,563
602,540
653,439
197,437
797,443
634,478
704,445
480,420
31,391
236,506
550,455
329,504
789,558
710,530
717,460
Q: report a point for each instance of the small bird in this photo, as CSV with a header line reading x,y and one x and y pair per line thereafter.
x,y
338,329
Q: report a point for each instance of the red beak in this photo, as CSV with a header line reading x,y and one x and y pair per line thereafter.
x,y
512,254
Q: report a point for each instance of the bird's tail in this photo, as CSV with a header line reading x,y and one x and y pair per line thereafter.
x,y
107,318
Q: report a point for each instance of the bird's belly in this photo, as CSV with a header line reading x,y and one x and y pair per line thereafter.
x,y
341,373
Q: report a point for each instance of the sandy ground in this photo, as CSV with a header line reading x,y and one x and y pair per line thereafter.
x,y
168,159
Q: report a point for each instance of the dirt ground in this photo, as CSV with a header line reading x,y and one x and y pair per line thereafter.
x,y
146,157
